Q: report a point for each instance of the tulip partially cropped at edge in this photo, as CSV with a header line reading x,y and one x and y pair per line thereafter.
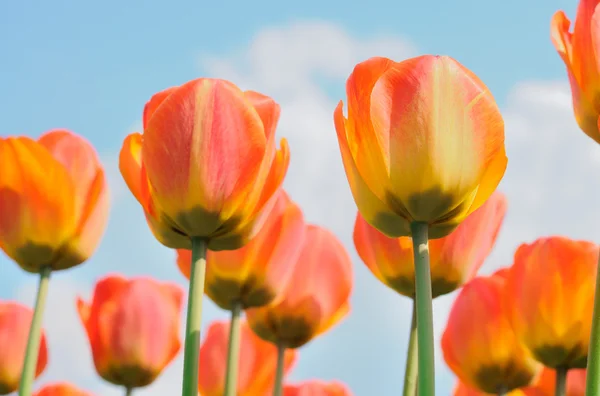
x,y
423,142
579,51
255,274
133,328
479,344
463,390
53,200
550,297
61,389
15,320
455,259
206,164
316,388
258,359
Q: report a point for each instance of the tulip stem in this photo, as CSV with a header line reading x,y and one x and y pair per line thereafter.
x,y
592,383
424,310
128,391
233,351
278,388
411,371
35,330
561,382
194,318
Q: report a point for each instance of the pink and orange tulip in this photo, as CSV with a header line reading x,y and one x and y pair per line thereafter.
x,y
61,389
317,299
423,142
454,259
53,200
133,328
257,363
206,165
579,51
15,320
479,344
257,273
316,388
550,299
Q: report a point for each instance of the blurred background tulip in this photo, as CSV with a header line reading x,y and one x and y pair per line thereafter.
x,y
579,51
550,297
14,328
454,259
206,164
53,200
61,389
133,328
463,390
256,273
316,388
403,162
258,360
479,344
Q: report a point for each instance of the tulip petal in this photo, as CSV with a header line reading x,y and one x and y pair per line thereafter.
x,y
131,167
153,104
561,37
370,206
267,109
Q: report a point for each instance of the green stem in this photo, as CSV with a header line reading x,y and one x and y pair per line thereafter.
x,y
233,351
35,331
426,367
128,391
194,318
592,384
278,387
561,382
411,371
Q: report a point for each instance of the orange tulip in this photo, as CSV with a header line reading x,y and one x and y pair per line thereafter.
x,y
206,165
256,273
550,296
455,259
53,200
61,389
258,360
575,382
133,328
423,142
463,390
579,52
479,344
317,388
316,300
15,320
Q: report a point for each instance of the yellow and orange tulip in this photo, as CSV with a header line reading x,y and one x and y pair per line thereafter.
x,y
257,363
463,390
579,51
550,298
575,382
317,299
256,273
15,320
53,200
423,142
206,165
479,344
133,328
317,388
454,259
61,389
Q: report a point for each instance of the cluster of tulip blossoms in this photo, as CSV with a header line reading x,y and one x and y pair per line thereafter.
x,y
423,150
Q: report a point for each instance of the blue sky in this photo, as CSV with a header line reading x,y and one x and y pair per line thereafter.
x,y
90,67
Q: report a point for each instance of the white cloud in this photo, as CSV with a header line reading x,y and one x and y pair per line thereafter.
x,y
550,183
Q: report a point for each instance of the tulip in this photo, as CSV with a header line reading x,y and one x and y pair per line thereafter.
x,y
15,320
316,300
258,361
317,388
578,50
463,390
575,385
423,147
550,294
61,389
479,344
133,328
205,172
